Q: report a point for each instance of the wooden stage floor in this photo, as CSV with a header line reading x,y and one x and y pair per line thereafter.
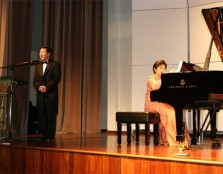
x,y
99,153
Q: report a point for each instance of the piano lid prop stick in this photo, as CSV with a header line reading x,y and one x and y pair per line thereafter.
x,y
208,56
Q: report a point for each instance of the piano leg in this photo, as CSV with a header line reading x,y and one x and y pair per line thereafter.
x,y
213,124
179,124
194,138
198,127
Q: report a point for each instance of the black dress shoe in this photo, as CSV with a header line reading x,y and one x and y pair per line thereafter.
x,y
47,139
42,139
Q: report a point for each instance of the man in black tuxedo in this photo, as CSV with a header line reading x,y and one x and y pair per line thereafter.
x,y
46,79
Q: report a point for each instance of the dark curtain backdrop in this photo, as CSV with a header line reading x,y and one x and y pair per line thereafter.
x,y
15,48
74,30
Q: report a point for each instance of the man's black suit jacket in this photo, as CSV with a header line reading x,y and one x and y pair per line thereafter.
x,y
50,79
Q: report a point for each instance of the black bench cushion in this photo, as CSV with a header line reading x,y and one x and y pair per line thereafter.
x,y
137,117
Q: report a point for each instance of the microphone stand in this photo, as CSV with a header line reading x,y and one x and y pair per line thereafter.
x,y
11,90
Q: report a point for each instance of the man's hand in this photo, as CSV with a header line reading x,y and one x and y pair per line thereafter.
x,y
42,89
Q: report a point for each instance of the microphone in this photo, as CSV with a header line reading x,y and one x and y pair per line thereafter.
x,y
34,62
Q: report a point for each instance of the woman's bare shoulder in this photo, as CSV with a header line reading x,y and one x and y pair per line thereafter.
x,y
150,78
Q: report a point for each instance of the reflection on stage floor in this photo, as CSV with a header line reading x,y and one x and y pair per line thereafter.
x,y
106,143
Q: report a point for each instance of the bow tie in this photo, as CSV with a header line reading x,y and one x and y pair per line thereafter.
x,y
44,62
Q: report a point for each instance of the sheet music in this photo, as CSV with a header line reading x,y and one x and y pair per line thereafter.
x,y
178,68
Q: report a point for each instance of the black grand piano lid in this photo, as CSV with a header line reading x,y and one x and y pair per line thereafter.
x,y
214,20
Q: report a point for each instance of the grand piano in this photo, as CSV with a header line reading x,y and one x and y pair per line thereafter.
x,y
179,89
193,83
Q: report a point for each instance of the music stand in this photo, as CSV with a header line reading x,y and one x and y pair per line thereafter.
x,y
8,86
4,85
11,85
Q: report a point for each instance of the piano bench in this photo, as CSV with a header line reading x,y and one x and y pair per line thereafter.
x,y
138,118
212,106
